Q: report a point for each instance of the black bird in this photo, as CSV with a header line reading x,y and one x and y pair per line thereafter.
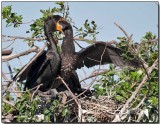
x,y
46,66
96,54
43,70
73,80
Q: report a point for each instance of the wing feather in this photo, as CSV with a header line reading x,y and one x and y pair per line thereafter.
x,y
103,53
20,76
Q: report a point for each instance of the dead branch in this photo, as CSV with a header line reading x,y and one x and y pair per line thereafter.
x,y
36,91
10,69
6,79
25,38
133,51
8,102
94,74
44,38
79,45
9,83
122,30
74,97
10,57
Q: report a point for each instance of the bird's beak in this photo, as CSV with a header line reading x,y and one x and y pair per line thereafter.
x,y
59,27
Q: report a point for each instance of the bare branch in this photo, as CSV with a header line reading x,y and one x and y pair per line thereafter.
x,y
122,30
94,74
10,57
10,69
44,38
36,91
24,22
74,97
8,102
25,38
9,83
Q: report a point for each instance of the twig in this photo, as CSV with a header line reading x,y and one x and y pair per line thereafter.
x,y
79,45
6,79
36,91
10,57
10,69
44,38
8,85
74,97
122,30
8,102
137,107
25,38
24,22
69,90
94,74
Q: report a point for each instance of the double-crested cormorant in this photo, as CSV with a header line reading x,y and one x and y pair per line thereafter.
x,y
96,54
45,67
43,70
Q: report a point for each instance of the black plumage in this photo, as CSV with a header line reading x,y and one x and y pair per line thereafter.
x,y
45,67
96,54
43,70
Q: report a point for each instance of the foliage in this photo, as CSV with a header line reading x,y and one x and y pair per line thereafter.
x,y
28,109
11,17
89,29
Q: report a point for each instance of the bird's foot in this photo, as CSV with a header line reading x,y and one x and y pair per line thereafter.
x,y
50,94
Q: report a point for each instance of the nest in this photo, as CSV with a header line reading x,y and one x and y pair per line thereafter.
x,y
101,109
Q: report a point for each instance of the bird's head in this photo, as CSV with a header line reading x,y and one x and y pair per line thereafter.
x,y
57,23
63,26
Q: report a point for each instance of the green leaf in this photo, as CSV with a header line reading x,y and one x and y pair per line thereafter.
x,y
65,112
119,98
124,94
96,86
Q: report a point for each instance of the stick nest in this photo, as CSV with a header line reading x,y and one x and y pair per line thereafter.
x,y
101,109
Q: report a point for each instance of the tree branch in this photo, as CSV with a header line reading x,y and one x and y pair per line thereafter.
x,y
94,74
44,38
10,57
122,30
25,38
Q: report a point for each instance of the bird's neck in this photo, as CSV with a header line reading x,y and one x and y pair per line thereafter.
x,y
68,44
52,42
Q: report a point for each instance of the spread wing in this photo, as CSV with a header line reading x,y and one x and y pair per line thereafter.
x,y
103,53
23,73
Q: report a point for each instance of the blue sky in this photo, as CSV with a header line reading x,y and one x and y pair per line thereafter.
x,y
136,18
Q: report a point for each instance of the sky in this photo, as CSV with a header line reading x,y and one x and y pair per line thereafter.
x,y
136,18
